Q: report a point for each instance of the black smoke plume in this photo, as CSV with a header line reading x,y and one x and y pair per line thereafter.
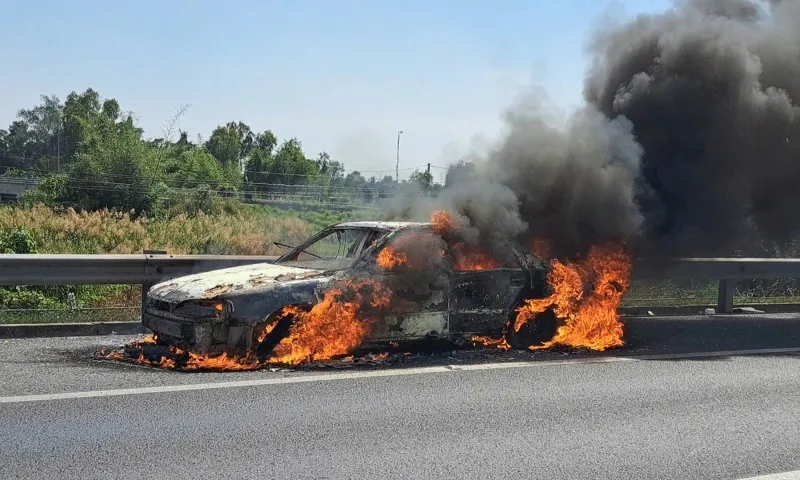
x,y
688,142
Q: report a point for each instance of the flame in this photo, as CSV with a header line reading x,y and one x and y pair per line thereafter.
x,y
335,326
465,258
377,356
268,328
389,259
222,362
487,341
591,319
442,222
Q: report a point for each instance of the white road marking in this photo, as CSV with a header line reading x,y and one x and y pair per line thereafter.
x,y
375,374
793,475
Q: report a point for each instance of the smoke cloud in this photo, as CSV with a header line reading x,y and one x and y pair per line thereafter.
x,y
688,142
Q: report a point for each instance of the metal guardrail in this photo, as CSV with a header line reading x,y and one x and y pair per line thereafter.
x,y
150,268
144,269
136,269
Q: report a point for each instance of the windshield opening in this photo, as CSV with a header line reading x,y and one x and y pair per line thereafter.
x,y
336,250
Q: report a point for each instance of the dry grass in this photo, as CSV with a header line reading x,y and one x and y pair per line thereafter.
x,y
69,231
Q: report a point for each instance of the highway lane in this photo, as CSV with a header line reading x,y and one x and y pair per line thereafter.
x,y
721,417
713,419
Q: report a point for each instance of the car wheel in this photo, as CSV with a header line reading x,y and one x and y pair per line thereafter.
x,y
535,332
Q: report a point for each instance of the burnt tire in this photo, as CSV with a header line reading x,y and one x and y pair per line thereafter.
x,y
535,332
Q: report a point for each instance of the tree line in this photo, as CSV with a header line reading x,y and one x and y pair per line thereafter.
x,y
92,155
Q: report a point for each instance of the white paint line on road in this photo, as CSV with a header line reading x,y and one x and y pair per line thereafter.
x,y
374,374
793,475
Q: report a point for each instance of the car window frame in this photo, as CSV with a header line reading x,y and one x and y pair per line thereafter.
x,y
322,234
370,254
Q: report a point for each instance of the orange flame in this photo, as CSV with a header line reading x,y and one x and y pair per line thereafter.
x,y
465,258
222,363
442,222
389,259
469,260
591,319
335,326
487,341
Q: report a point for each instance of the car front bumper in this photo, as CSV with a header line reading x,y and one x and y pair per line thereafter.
x,y
201,336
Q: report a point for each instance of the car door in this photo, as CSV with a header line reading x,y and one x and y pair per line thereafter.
x,y
419,293
481,299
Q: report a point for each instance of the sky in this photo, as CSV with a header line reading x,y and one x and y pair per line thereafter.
x,y
343,76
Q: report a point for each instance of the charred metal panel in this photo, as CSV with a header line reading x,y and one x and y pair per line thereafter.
x,y
240,337
419,303
411,325
254,307
229,281
479,300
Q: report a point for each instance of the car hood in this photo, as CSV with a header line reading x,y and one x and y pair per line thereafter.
x,y
243,279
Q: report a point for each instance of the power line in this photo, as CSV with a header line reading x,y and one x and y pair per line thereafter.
x,y
8,156
176,182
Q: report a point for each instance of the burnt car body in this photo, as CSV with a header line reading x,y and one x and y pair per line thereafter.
x,y
226,309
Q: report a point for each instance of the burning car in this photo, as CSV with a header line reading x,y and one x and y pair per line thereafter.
x,y
369,283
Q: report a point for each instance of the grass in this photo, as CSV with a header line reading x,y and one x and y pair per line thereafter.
x,y
249,233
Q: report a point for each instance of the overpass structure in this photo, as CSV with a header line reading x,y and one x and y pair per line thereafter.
x,y
12,187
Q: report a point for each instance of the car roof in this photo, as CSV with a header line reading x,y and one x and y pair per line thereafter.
x,y
383,225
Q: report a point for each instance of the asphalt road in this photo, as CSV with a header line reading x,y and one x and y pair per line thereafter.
x,y
646,411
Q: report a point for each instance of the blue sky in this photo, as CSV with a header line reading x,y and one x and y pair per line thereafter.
x,y
342,76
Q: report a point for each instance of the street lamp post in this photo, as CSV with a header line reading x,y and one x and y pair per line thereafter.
x,y
397,166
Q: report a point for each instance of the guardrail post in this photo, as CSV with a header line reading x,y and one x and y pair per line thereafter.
x,y
725,296
149,281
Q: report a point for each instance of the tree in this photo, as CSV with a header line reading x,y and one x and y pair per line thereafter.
x,y
44,124
191,167
232,144
115,173
423,179
291,165
225,144
288,165
266,141
386,187
459,172
3,143
80,112
355,180
331,170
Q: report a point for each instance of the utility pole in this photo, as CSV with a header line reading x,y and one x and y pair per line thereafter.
x,y
428,177
397,166
58,148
